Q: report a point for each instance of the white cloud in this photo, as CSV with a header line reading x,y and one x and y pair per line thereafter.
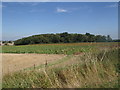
x,y
73,9
112,5
60,10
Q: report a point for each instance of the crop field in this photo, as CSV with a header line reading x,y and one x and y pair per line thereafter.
x,y
70,48
47,49
90,65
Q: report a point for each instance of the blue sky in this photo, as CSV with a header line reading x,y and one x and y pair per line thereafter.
x,y
24,19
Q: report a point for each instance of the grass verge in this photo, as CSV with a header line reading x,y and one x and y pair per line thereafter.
x,y
98,70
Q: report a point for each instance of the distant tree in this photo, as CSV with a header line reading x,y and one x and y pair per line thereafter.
x,y
64,34
100,38
88,34
9,41
116,40
64,37
91,38
55,38
3,41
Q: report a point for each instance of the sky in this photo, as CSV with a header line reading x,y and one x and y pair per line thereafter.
x,y
22,19
60,0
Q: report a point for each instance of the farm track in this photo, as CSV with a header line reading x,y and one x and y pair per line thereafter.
x,y
72,60
16,62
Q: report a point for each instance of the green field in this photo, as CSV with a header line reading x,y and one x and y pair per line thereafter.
x,y
46,49
70,48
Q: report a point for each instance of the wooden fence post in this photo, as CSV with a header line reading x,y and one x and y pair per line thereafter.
x,y
45,66
34,66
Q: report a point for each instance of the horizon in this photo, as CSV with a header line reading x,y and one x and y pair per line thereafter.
x,y
23,19
58,33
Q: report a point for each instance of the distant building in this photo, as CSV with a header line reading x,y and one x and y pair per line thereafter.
x,y
10,44
6,43
1,43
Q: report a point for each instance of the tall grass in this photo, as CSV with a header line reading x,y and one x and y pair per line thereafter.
x,y
98,70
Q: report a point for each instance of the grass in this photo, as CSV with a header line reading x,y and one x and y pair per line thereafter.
x,y
97,70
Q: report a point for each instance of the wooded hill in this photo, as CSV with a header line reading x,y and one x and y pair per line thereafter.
x,y
64,37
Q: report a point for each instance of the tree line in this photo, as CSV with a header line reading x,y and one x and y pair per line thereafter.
x,y
64,37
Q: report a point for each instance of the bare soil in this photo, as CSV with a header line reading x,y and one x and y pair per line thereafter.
x,y
16,62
